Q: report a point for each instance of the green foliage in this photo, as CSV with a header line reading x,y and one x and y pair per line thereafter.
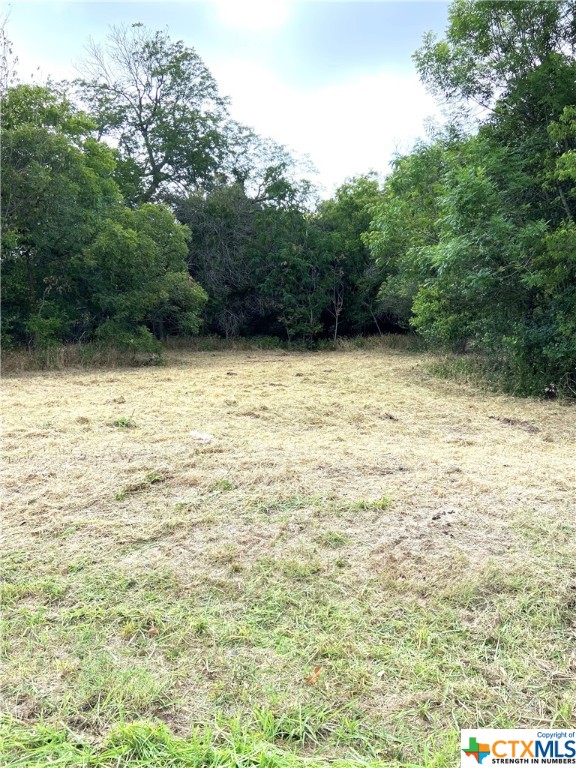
x,y
470,241
133,341
404,222
80,265
476,234
295,275
139,280
491,45
222,226
55,189
552,337
353,280
157,99
261,743
77,264
474,287
563,133
261,257
124,423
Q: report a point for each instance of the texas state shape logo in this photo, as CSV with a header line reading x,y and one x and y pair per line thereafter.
x,y
479,751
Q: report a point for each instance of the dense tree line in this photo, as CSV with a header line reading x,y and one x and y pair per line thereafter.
x,y
476,232
135,208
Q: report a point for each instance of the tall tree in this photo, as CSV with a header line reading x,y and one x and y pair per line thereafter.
x,y
77,264
158,101
135,279
490,45
55,187
501,275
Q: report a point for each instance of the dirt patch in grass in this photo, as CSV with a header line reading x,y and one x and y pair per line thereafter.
x,y
411,538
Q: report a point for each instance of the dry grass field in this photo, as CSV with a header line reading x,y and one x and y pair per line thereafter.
x,y
363,560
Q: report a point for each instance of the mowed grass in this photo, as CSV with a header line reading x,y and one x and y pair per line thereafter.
x,y
362,561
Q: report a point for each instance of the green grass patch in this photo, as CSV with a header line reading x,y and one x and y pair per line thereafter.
x,y
221,486
262,743
124,422
334,539
498,373
374,505
401,657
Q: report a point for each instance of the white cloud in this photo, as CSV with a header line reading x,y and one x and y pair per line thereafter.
x,y
347,128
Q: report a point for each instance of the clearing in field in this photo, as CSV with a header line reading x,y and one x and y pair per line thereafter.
x,y
363,560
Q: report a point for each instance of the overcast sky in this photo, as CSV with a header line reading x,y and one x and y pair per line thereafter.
x,y
331,79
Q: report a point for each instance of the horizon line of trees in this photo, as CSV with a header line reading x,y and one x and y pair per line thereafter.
x,y
134,208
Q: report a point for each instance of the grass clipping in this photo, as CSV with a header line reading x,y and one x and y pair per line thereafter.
x,y
360,561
